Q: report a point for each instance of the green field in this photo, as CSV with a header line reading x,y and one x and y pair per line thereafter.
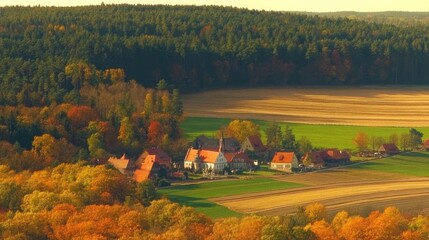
x,y
196,195
336,136
412,164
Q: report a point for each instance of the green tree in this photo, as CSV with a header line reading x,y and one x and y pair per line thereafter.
x,y
145,192
274,135
96,146
415,138
176,104
304,145
288,141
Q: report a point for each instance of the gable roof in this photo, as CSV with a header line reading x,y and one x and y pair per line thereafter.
x,y
315,156
256,143
389,148
161,157
122,163
426,143
237,155
335,154
145,169
283,157
205,156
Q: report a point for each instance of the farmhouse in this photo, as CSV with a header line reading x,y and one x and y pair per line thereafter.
x,y
388,149
151,163
284,161
123,164
313,159
335,157
426,144
239,161
204,143
199,160
253,144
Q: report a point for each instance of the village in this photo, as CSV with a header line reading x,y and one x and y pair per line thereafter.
x,y
216,157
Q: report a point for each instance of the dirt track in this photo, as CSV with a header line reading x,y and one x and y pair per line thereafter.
x,y
407,194
369,106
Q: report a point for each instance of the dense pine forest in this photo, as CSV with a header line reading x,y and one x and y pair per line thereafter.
x,y
48,54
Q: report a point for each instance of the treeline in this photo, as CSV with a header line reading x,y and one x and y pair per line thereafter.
x,y
110,120
74,201
389,17
48,54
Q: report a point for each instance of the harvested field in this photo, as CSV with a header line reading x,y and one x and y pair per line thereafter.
x,y
407,194
364,106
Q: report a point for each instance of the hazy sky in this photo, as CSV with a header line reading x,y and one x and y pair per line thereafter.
x,y
277,5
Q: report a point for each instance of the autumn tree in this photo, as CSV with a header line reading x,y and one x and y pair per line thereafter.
x,y
315,212
80,116
79,73
405,141
241,129
51,150
114,75
126,135
361,141
155,133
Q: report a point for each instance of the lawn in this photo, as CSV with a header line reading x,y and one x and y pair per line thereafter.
x,y
412,164
197,195
337,136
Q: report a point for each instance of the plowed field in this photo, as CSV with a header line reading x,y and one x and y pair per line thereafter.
x,y
364,106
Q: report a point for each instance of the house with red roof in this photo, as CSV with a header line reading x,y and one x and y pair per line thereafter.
x,y
388,149
426,144
199,160
123,164
239,161
313,159
253,144
335,157
284,161
150,163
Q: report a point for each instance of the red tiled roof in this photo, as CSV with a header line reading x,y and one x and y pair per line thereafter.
x,y
389,148
335,154
426,143
206,156
316,157
237,155
121,163
145,169
256,143
162,157
283,157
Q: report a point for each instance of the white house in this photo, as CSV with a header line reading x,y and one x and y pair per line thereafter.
x,y
284,161
205,159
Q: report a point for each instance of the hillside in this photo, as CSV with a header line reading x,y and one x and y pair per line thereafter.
x,y
48,53
389,17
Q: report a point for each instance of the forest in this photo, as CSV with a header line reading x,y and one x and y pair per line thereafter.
x,y
47,54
